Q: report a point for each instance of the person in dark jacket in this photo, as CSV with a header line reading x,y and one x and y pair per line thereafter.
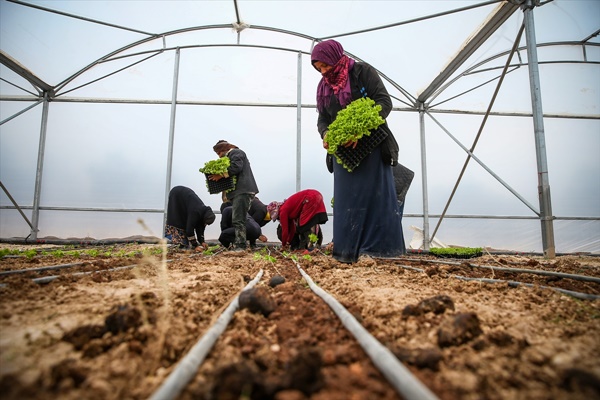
x,y
366,219
245,188
187,218
258,212
299,216
227,237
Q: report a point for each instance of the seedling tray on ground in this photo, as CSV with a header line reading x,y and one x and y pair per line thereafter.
x,y
456,252
463,256
351,157
219,186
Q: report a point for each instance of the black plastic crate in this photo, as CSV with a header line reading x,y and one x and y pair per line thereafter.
x,y
351,157
219,186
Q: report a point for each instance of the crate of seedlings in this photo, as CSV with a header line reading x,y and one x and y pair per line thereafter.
x,y
359,122
351,157
218,167
456,252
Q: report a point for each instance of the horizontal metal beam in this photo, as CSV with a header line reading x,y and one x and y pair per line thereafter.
x,y
457,216
93,209
282,105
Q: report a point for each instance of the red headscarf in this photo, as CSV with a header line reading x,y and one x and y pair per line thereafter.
x,y
336,80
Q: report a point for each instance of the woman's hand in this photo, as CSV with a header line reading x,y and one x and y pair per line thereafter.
x,y
217,177
351,143
325,144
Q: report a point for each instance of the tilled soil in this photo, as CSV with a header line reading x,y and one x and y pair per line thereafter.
x,y
119,333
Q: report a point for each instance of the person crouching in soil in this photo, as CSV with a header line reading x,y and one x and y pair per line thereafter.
x,y
187,218
299,216
258,212
227,237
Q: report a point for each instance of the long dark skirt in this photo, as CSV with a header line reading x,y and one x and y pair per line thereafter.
x,y
366,217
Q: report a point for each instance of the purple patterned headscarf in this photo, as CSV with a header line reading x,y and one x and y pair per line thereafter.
x,y
337,80
273,209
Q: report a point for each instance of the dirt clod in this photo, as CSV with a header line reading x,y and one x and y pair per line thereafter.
x,y
460,329
304,371
437,305
67,373
276,280
82,335
421,358
122,318
257,300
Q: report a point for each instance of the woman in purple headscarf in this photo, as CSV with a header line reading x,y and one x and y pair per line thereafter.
x,y
366,217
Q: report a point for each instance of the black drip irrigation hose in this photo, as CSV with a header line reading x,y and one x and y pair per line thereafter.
x,y
519,270
93,242
512,253
577,295
47,279
40,269
400,377
188,365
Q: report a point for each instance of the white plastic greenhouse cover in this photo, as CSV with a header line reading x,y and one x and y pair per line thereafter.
x,y
106,105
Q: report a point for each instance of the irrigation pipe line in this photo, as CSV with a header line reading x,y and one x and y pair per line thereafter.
x,y
520,270
188,365
39,269
577,295
47,279
396,373
507,252
94,242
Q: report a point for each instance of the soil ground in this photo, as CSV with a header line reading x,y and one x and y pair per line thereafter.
x,y
112,322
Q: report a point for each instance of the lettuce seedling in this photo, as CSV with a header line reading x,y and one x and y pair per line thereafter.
x,y
358,119
216,167
456,252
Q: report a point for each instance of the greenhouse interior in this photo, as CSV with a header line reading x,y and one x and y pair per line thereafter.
x,y
105,106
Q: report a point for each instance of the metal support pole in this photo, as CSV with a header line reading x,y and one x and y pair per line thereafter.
x,y
424,178
171,134
299,125
546,218
35,214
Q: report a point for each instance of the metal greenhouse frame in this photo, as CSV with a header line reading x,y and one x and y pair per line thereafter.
x,y
424,104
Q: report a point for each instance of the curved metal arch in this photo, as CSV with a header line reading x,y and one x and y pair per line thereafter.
x,y
473,69
153,36
164,35
115,54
